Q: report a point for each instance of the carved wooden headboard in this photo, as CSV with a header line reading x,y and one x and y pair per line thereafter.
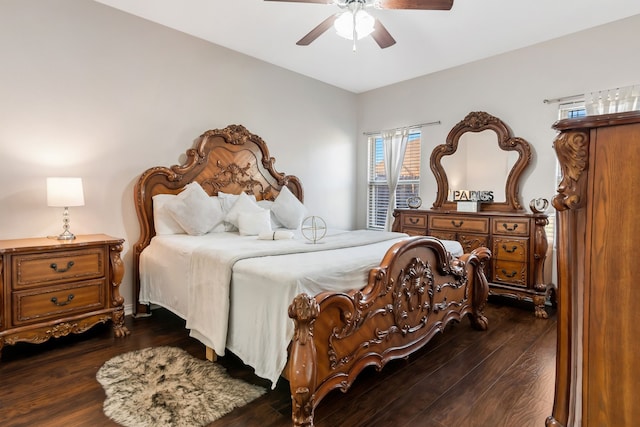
x,y
231,160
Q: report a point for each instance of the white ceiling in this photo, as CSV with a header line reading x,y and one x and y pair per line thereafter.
x,y
427,41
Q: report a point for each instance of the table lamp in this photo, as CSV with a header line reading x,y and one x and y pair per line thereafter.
x,y
65,192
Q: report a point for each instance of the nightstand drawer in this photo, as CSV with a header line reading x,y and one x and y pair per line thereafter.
x,y
51,267
455,223
414,220
510,226
50,303
510,249
511,272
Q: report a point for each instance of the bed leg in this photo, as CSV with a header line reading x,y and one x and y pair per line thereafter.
x,y
302,360
211,354
479,259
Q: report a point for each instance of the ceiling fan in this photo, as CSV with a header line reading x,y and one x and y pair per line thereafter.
x,y
353,22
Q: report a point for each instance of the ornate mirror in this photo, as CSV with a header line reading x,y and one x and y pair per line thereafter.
x,y
481,154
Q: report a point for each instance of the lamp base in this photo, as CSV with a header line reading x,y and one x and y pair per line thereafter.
x,y
66,235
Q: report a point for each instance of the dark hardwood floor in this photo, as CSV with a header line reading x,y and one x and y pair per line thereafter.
x,y
501,377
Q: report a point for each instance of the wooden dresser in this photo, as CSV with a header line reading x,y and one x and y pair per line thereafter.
x,y
51,288
517,241
598,353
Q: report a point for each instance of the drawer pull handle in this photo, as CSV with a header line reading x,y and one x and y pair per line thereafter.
x,y
506,227
509,275
60,304
414,221
55,268
457,225
512,250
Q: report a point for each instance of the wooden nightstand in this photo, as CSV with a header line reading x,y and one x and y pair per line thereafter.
x,y
51,288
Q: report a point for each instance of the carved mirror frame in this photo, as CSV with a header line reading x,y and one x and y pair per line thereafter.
x,y
479,121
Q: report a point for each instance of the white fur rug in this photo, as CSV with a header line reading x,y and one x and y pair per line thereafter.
x,y
166,386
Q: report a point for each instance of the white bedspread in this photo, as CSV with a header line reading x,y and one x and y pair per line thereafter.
x,y
267,275
208,293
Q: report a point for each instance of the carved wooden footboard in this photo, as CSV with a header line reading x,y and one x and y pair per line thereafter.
x,y
417,290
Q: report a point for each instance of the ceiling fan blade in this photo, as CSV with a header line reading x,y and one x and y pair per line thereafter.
x,y
416,4
305,1
317,31
381,35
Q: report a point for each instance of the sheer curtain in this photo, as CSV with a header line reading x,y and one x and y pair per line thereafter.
x,y
395,145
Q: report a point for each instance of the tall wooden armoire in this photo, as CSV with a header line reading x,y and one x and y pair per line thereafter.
x,y
598,204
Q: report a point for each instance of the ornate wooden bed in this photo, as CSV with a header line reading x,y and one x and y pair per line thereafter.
x,y
415,292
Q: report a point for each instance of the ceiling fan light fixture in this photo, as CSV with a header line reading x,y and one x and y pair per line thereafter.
x,y
363,24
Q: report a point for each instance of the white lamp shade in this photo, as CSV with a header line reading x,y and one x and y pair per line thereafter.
x,y
364,24
65,192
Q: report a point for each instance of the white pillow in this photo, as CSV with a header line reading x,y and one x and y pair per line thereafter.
x,y
268,204
195,211
288,209
220,226
227,201
254,223
244,203
163,221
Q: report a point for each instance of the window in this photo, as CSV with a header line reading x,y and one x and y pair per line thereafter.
x,y
571,110
408,183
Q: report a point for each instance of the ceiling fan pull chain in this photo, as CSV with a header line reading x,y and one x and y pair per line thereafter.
x,y
355,33
354,12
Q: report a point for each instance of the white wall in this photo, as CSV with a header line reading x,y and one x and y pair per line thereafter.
x,y
88,91
512,87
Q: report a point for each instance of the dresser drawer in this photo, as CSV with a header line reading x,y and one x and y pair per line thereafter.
x,y
510,226
414,220
52,302
470,242
51,267
513,249
413,231
510,272
459,223
443,235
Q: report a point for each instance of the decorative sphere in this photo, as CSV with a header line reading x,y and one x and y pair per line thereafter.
x,y
414,202
539,205
313,228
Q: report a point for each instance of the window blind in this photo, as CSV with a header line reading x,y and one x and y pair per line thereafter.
x,y
378,191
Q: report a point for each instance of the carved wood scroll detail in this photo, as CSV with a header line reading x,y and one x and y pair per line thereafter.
x,y
480,119
572,149
409,297
304,309
117,300
233,134
413,299
233,173
45,333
